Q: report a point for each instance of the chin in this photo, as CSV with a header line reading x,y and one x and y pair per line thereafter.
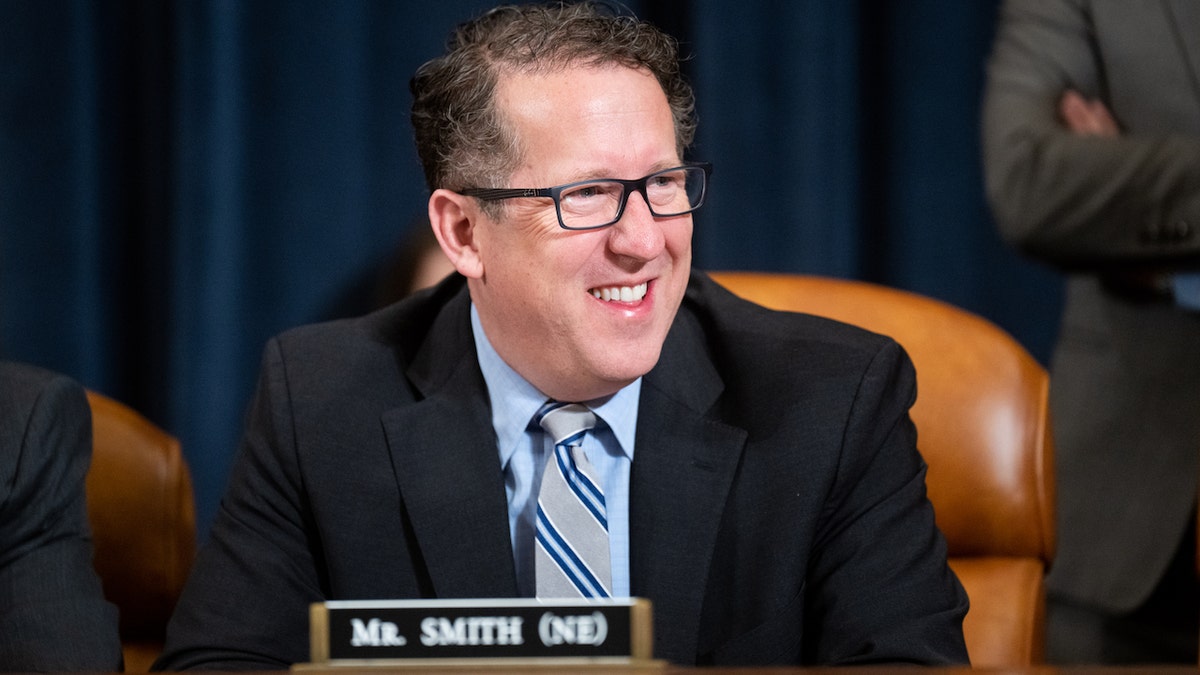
x,y
630,371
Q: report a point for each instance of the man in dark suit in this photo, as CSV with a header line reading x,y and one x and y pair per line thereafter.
x,y
761,484
1092,148
53,616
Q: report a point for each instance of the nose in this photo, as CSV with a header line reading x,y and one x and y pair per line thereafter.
x,y
638,234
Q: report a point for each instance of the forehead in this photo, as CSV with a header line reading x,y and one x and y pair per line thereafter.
x,y
593,110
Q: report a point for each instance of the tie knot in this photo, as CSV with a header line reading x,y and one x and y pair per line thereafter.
x,y
565,422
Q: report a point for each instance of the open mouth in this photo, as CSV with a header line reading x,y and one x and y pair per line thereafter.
x,y
620,293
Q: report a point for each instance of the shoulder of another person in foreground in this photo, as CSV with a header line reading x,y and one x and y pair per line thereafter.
x,y
48,588
43,412
23,385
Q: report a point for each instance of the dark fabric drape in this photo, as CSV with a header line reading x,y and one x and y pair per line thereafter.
x,y
181,179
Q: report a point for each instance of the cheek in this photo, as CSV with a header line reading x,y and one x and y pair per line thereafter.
x,y
527,279
679,240
679,249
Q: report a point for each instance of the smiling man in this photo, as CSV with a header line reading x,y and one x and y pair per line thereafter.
x,y
576,412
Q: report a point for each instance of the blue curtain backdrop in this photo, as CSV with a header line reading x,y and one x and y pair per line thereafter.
x,y
181,179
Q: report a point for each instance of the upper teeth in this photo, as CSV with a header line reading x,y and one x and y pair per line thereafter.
x,y
622,293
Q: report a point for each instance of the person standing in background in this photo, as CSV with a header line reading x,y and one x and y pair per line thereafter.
x,y
53,616
1091,138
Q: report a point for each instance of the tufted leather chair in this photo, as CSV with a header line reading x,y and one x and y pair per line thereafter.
x,y
143,521
983,427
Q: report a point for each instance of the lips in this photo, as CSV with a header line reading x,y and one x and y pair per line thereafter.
x,y
620,293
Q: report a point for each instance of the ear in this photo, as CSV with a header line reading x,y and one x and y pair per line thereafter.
x,y
453,217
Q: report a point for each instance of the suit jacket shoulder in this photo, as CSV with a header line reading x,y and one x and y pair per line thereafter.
x,y
771,447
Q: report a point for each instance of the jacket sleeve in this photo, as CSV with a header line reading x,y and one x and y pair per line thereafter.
x,y
1070,200
53,616
880,590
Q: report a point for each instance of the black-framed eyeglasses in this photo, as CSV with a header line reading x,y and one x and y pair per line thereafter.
x,y
592,204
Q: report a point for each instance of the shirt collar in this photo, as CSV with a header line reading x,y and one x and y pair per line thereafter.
x,y
515,401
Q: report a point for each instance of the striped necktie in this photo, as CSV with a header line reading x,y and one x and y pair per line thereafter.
x,y
571,556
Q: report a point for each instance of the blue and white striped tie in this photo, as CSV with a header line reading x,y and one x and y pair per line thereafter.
x,y
571,556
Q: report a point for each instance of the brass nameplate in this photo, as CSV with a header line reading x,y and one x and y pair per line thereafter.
x,y
396,633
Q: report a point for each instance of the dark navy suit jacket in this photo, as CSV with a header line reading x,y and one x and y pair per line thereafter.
x,y
777,500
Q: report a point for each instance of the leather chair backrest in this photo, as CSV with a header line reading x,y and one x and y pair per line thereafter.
x,y
983,426
142,513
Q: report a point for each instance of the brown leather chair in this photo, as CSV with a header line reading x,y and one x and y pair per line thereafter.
x,y
143,521
982,417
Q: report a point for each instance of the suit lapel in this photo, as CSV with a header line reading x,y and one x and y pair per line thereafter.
x,y
444,451
683,467
453,490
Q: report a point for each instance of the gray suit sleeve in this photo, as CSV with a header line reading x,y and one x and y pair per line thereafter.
x,y
1082,201
53,616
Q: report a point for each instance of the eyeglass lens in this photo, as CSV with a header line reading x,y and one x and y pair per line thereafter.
x,y
597,203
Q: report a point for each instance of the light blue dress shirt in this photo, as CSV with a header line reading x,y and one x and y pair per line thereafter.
x,y
523,449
